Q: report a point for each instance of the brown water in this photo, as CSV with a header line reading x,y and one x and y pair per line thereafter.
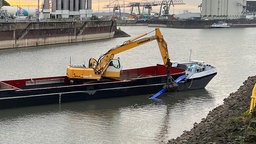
x,y
130,119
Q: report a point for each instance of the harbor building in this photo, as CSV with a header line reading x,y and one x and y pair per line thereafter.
x,y
81,9
223,9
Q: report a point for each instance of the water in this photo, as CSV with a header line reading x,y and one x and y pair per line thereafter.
x,y
130,119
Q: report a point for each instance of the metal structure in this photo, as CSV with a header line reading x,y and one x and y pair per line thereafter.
x,y
1,3
165,6
134,6
145,7
117,11
116,8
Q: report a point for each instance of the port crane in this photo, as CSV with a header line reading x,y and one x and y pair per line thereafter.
x,y
141,7
108,66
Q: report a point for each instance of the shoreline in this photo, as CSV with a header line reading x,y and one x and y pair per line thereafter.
x,y
225,123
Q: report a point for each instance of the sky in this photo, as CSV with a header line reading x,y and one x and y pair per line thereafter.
x,y
98,5
22,2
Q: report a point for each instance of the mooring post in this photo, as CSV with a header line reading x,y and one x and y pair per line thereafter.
x,y
59,98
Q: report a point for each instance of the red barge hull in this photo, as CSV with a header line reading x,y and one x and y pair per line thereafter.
x,y
56,90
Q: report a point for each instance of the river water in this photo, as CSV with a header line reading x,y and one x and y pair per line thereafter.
x,y
133,119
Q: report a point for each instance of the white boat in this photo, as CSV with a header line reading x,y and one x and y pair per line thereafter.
x,y
220,24
198,74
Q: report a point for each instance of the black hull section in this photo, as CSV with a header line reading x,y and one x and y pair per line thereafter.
x,y
71,93
197,83
58,98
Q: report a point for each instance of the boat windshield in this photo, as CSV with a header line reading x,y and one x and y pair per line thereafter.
x,y
194,68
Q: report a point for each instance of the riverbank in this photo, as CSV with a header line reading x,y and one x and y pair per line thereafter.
x,y
227,123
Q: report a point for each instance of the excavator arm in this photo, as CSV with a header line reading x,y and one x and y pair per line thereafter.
x,y
163,47
100,66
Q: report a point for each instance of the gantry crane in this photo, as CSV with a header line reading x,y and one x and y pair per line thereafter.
x,y
146,6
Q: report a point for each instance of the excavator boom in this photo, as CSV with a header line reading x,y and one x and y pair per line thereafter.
x,y
98,68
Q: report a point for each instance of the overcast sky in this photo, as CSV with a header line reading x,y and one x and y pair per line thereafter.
x,y
190,5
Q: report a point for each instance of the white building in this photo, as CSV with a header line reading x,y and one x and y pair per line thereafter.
x,y
222,9
68,8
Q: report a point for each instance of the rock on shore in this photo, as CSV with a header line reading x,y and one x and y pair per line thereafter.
x,y
224,124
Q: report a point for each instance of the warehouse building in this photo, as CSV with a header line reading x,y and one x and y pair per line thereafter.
x,y
81,9
223,9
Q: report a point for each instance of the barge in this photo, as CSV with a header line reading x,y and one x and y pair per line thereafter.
x,y
138,81
31,34
55,90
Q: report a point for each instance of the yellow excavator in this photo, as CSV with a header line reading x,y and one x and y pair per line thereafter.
x,y
107,66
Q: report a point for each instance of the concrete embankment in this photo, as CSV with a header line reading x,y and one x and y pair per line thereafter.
x,y
29,34
227,123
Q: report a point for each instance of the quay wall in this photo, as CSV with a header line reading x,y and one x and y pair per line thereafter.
x,y
29,34
9,44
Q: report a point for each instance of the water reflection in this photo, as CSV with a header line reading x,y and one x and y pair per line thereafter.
x,y
128,119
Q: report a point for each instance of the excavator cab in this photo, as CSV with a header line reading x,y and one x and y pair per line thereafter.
x,y
114,68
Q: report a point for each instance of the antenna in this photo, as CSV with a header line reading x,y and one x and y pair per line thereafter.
x,y
190,53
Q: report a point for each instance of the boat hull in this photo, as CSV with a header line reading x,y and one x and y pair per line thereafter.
x,y
54,90
57,95
196,83
33,34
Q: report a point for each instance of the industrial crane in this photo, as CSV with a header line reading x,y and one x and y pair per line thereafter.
x,y
107,66
165,6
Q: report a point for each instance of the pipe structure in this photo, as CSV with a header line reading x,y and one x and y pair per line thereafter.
x,y
82,4
46,4
76,5
65,4
89,3
54,6
71,5
59,4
